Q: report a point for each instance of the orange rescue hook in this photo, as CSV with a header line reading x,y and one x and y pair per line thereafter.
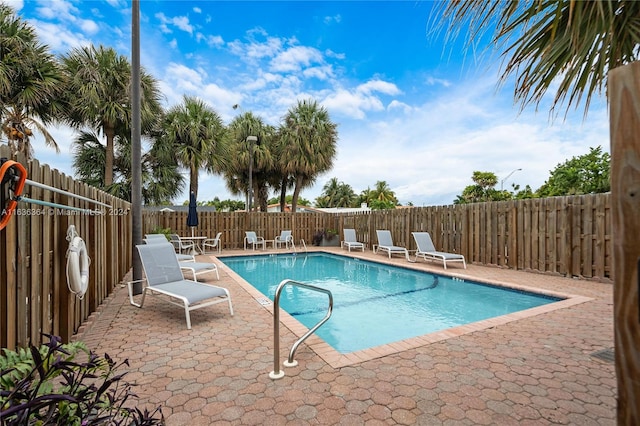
x,y
15,174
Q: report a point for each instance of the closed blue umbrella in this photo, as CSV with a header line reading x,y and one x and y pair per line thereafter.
x,y
192,217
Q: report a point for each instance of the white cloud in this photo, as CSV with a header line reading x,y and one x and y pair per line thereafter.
x,y
324,72
215,41
59,37
432,81
58,9
295,58
331,19
356,102
17,5
180,22
256,50
89,26
378,86
397,105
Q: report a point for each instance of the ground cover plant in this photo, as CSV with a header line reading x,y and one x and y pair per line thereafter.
x,y
51,385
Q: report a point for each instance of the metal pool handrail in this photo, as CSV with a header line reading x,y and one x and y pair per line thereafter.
x,y
277,373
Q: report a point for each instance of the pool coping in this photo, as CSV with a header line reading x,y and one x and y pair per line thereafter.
x,y
337,360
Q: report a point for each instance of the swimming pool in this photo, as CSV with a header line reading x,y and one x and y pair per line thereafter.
x,y
376,304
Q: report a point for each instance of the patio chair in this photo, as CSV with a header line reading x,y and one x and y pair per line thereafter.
x,y
160,238
188,261
179,245
285,238
350,241
427,250
212,243
254,240
385,243
164,278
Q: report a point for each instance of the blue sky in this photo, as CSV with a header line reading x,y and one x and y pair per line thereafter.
x,y
412,111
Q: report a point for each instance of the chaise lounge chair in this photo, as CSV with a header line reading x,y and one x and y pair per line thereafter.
x,y
164,278
160,238
285,238
350,241
254,240
427,250
385,243
188,262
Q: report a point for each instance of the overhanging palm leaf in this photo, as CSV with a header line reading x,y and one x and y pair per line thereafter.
x,y
547,43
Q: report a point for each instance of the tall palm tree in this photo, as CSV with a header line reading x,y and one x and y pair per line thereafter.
x,y
336,194
383,192
99,95
161,179
237,169
30,84
308,141
571,46
197,134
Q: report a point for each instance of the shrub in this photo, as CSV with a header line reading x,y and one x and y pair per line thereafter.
x,y
46,386
327,234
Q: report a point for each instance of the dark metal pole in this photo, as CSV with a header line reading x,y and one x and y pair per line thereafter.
x,y
250,172
136,156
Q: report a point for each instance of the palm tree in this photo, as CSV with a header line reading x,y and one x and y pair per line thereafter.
x,y
566,45
196,132
336,194
99,95
571,46
30,84
262,167
161,179
308,141
382,192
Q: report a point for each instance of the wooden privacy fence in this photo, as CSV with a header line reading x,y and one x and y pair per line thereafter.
x,y
569,236
34,297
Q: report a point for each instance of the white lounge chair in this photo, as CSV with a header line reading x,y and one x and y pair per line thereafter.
x,y
427,250
285,238
188,262
254,240
350,241
385,244
164,277
161,239
212,243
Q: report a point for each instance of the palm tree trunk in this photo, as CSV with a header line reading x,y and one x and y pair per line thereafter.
x,y
109,132
193,180
263,198
283,194
296,193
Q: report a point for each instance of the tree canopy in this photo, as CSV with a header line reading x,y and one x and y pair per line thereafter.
x,y
585,174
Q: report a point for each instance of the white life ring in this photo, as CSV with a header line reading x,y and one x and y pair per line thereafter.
x,y
77,264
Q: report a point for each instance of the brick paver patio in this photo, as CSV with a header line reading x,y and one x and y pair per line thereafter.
x,y
529,369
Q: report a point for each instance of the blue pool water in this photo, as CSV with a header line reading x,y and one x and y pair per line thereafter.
x,y
375,304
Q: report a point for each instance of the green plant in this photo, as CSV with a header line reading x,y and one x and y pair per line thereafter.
x,y
159,230
45,385
326,234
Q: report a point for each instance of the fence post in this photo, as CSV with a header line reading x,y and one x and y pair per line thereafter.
x,y
624,101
